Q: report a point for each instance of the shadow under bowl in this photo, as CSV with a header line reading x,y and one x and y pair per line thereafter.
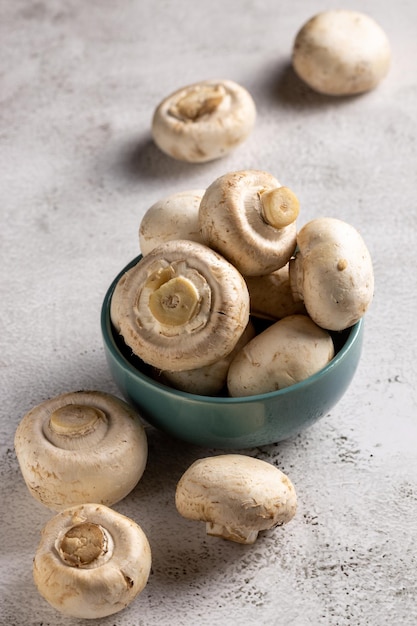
x,y
223,422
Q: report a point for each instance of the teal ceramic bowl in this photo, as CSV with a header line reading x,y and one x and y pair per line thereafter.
x,y
230,423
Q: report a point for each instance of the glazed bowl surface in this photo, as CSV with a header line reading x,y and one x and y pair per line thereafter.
x,y
224,422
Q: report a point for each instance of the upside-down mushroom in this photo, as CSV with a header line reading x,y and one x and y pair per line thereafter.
x,y
181,307
332,273
80,447
91,561
173,217
287,352
250,219
203,121
236,495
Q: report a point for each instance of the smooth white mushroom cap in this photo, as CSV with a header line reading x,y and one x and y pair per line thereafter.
x,y
271,295
204,121
181,307
233,222
236,495
173,217
332,273
341,52
81,447
91,561
287,352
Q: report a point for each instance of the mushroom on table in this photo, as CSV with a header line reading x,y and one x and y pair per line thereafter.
x,y
81,446
91,561
341,52
203,121
236,495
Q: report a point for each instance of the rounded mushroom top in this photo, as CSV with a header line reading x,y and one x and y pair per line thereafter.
x,y
332,273
286,353
237,495
81,446
203,121
251,219
181,307
341,52
91,561
173,217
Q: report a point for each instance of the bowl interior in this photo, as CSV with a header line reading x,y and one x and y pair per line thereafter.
x,y
225,422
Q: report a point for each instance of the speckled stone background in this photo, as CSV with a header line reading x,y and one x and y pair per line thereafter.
x,y
79,82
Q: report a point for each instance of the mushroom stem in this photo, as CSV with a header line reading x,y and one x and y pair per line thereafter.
x,y
236,534
74,426
280,206
175,302
197,102
85,545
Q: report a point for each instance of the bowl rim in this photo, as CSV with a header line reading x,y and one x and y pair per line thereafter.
x,y
354,333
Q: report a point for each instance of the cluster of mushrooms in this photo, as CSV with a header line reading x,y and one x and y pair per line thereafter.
x,y
213,261
82,452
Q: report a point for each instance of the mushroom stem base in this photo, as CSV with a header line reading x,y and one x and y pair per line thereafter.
x,y
238,535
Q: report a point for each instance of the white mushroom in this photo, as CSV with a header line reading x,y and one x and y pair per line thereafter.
x,y
204,121
211,379
236,495
173,217
271,295
332,273
251,219
286,353
181,307
91,561
81,447
341,52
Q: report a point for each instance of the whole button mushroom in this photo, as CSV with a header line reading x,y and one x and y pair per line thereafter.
x,y
236,495
173,217
332,273
80,447
204,121
250,219
91,561
286,353
341,52
181,307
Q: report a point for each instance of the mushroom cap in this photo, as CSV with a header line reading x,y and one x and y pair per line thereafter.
x,y
173,217
287,352
332,273
203,121
231,222
271,296
341,52
211,379
91,561
205,331
236,495
80,447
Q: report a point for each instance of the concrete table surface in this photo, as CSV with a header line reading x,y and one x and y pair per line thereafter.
x,y
79,83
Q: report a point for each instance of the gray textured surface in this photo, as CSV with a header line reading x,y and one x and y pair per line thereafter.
x,y
79,82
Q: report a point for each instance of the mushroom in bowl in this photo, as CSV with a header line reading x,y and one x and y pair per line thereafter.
x,y
229,422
